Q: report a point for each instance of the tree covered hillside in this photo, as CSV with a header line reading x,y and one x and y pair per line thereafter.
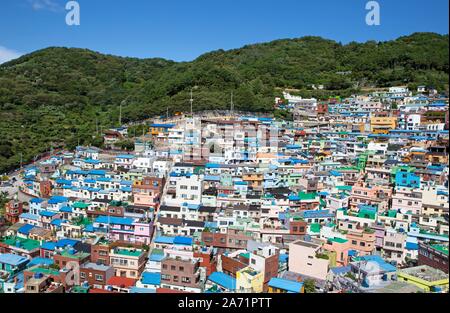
x,y
57,96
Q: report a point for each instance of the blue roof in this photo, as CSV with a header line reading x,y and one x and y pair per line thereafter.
x,y
380,261
25,229
62,243
164,239
335,173
48,246
57,199
223,280
103,219
162,125
125,156
36,200
89,228
157,257
341,269
64,181
57,222
29,216
151,278
97,172
212,165
12,259
283,258
40,261
91,161
187,241
285,284
317,214
135,289
212,178
47,213
412,246
66,209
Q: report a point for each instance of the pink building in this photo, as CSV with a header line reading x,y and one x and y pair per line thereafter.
x,y
366,194
340,247
407,199
146,192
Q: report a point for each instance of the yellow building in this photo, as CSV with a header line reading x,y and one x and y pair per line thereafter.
x,y
249,279
156,129
382,125
425,277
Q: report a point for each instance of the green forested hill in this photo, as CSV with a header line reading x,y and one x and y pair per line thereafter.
x,y
55,96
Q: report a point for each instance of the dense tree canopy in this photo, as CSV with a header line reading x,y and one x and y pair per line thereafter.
x,y
58,96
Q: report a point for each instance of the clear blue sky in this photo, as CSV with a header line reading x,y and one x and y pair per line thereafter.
x,y
184,29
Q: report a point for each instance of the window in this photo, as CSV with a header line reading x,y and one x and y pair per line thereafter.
x,y
83,275
165,277
98,277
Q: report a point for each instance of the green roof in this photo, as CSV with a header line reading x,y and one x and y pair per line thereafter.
x,y
27,244
392,213
441,248
245,255
307,196
84,222
315,228
77,255
366,214
338,240
44,270
79,289
80,205
347,168
344,187
128,252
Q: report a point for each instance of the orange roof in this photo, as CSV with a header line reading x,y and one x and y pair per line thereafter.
x,y
123,282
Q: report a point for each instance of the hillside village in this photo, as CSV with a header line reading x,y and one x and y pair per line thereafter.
x,y
349,196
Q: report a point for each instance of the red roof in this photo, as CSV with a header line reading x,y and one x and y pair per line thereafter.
x,y
122,282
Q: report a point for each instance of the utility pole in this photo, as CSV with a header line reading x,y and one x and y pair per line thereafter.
x,y
192,101
96,125
232,104
21,160
120,114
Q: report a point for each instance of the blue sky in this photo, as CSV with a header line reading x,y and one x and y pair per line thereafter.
x,y
182,30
